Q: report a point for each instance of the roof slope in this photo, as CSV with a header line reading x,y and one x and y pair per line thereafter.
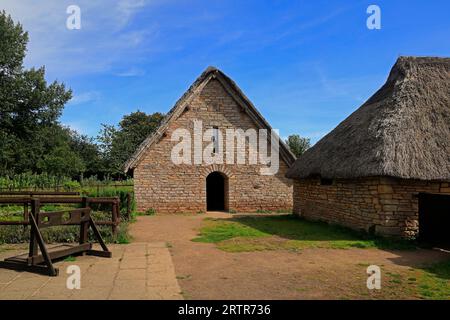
x,y
402,131
235,92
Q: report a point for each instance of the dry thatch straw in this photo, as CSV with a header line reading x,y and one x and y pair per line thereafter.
x,y
402,131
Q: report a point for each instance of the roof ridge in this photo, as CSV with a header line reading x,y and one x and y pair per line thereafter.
x,y
188,94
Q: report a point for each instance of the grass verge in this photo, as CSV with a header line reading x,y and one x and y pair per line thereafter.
x,y
433,281
258,233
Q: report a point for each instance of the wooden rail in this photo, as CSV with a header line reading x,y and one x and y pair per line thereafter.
x,y
38,193
26,201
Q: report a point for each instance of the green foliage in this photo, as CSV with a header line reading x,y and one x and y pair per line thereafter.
x,y
123,237
297,144
13,44
89,152
31,137
61,234
286,232
29,106
434,281
70,259
43,181
216,232
118,144
150,212
121,193
61,161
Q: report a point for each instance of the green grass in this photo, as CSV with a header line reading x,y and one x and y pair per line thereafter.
x,y
123,236
286,232
70,259
433,281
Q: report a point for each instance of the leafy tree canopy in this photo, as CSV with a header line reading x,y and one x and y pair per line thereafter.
x,y
119,143
29,108
297,144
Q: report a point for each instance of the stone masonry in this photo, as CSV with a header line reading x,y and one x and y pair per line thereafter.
x,y
386,206
161,185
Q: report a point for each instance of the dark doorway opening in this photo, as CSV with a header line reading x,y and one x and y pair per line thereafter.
x,y
215,192
434,219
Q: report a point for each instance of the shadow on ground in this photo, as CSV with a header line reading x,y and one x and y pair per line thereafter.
x,y
289,227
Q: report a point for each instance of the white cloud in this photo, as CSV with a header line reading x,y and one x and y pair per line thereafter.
x,y
132,72
77,126
85,97
102,41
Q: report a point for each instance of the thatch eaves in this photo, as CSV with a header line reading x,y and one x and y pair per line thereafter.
x,y
402,131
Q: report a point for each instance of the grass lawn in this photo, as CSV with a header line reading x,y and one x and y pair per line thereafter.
x,y
433,281
286,232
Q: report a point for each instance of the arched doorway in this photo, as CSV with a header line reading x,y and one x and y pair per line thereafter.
x,y
216,185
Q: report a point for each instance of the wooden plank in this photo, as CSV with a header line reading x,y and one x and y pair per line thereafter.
x,y
40,241
115,219
84,226
39,193
57,200
54,252
72,250
98,253
129,199
76,216
13,200
35,207
14,223
98,235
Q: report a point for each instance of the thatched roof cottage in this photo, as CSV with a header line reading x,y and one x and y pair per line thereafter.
x,y
386,168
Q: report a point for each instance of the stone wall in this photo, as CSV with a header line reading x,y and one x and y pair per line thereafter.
x,y
170,188
385,206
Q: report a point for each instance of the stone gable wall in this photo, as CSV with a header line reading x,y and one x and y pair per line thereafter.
x,y
169,188
386,206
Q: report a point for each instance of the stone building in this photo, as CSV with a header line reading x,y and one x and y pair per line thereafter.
x,y
215,103
386,168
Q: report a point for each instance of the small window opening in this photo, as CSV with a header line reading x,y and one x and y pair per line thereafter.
x,y
326,182
215,139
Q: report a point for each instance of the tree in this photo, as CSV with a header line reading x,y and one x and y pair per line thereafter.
x,y
118,144
29,107
61,162
89,153
297,144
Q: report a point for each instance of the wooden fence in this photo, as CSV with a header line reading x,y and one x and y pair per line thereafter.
x,y
25,199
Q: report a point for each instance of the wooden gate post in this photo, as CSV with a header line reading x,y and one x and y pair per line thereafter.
x,y
84,226
25,212
33,249
115,217
129,199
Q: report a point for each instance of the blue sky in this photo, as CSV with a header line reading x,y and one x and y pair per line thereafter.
x,y
306,65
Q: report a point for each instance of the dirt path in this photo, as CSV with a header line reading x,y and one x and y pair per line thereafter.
x,y
205,272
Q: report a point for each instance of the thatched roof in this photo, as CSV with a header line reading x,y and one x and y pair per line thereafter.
x,y
402,131
235,92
